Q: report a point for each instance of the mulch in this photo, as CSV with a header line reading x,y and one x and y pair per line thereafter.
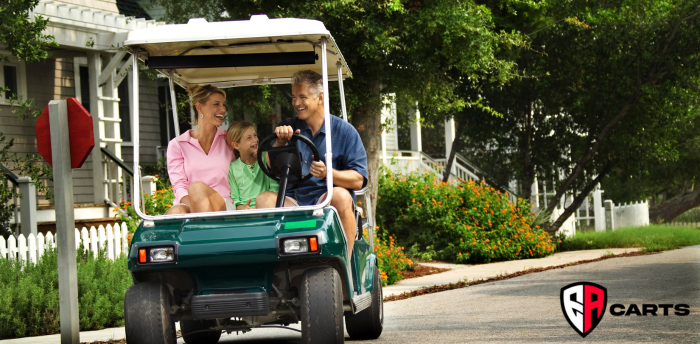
x,y
422,270
463,284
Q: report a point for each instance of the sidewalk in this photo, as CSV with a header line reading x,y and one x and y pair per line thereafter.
x,y
457,273
482,271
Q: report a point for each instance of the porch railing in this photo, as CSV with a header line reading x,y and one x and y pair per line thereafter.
x,y
13,183
118,178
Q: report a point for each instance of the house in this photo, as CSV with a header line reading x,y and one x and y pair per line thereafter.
x,y
88,65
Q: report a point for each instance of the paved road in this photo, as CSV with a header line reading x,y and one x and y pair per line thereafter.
x,y
527,309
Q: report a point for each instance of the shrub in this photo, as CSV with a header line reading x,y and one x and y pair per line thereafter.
x,y
29,301
391,259
690,216
463,222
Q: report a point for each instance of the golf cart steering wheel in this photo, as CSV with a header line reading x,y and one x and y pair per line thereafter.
x,y
285,157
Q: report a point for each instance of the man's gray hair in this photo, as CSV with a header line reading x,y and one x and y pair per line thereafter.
x,y
311,79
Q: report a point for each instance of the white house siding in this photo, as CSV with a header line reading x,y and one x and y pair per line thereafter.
x,y
101,5
149,124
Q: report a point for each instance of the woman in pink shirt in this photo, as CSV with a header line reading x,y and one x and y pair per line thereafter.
x,y
199,159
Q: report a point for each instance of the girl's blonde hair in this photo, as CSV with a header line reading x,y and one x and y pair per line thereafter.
x,y
200,94
235,132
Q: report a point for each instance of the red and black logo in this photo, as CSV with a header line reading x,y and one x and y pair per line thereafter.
x,y
583,304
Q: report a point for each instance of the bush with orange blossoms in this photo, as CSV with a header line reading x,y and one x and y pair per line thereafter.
x,y
391,259
465,222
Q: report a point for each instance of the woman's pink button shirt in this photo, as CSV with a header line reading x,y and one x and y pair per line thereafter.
x,y
187,163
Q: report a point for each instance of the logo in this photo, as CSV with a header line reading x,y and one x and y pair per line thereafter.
x,y
583,304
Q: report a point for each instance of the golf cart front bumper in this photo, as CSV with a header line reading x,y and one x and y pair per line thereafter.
x,y
236,254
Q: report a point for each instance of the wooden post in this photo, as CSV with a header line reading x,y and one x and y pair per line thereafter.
x,y
65,222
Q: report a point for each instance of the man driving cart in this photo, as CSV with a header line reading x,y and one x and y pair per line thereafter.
x,y
349,157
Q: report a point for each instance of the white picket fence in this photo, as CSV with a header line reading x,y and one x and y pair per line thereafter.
x,y
112,238
631,215
685,224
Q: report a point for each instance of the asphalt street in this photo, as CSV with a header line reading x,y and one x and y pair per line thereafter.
x,y
527,309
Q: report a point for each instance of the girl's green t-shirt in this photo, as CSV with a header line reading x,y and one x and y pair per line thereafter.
x,y
247,182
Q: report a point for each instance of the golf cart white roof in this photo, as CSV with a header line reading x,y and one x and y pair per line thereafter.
x,y
273,39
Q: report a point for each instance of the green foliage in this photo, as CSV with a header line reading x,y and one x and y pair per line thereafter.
x,y
649,238
466,222
160,171
29,301
25,41
690,216
606,82
391,258
157,203
21,36
30,165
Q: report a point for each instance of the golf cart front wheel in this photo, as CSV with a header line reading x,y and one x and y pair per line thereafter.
x,y
147,314
368,323
322,307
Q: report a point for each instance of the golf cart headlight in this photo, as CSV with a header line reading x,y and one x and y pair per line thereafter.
x,y
163,254
299,245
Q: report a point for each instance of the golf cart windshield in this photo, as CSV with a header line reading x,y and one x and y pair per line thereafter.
x,y
259,51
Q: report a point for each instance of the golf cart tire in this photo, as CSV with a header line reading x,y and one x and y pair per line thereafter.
x,y
368,323
147,314
205,337
322,307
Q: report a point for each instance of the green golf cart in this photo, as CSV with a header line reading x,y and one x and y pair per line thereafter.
x,y
233,271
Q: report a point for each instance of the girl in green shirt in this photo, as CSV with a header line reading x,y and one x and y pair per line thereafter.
x,y
245,178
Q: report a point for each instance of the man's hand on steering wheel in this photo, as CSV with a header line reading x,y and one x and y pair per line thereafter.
x,y
284,133
318,168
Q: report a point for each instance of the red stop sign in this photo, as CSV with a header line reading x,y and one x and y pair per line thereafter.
x,y
81,135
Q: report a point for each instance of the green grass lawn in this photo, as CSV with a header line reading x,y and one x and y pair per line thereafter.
x,y
649,238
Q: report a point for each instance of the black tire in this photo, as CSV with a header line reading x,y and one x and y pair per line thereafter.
x,y
205,337
368,324
147,314
322,307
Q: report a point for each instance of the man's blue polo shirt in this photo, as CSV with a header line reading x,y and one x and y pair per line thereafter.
x,y
348,154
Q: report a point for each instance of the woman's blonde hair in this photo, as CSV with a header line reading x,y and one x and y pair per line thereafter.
x,y
235,132
200,94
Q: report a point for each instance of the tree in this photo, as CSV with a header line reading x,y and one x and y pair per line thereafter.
x,y
670,183
401,47
24,39
606,86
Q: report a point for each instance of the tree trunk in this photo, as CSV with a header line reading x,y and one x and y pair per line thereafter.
x,y
528,167
578,200
588,156
670,209
456,145
368,122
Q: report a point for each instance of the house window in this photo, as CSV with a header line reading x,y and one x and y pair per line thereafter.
x,y
12,82
85,87
10,76
124,112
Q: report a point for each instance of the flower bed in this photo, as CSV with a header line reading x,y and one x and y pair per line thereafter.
x,y
157,203
391,259
466,222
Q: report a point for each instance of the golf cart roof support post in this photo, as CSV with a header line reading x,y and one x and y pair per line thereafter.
x,y
342,90
136,179
173,101
327,124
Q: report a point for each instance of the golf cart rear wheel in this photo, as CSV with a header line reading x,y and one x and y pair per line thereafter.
x,y
322,307
147,314
204,337
368,323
